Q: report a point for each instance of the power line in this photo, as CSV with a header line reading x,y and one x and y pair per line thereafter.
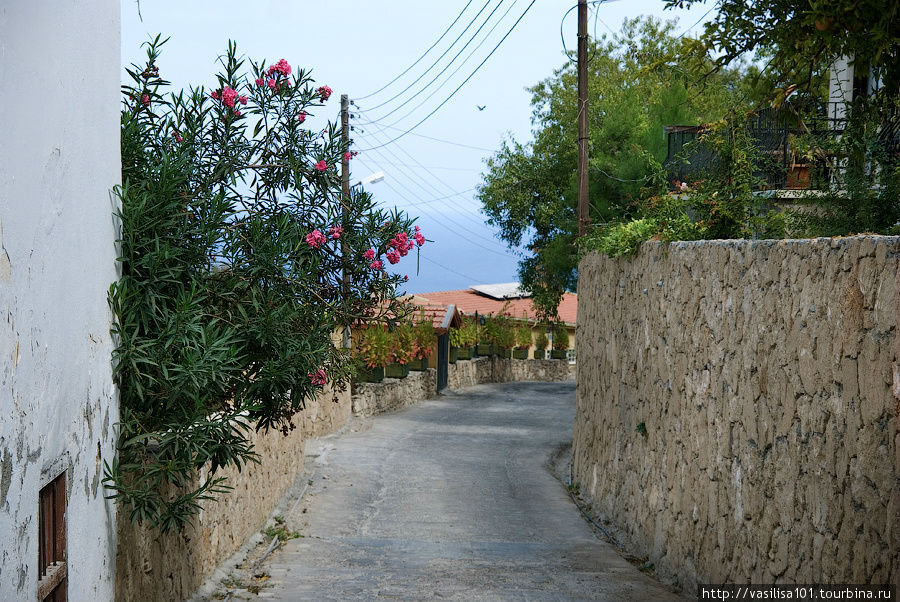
x,y
440,265
444,215
377,120
443,54
431,166
440,73
424,54
697,23
444,225
451,142
452,94
419,182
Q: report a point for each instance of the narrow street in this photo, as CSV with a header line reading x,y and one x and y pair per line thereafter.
x,y
452,499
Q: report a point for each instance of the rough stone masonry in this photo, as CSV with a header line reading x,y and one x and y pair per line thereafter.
x,y
735,409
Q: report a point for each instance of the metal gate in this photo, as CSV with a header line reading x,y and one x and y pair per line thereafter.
x,y
443,360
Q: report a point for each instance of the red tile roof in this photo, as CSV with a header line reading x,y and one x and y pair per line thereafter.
x,y
469,301
442,315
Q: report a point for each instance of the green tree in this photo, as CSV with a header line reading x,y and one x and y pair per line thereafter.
x,y
798,40
232,275
643,79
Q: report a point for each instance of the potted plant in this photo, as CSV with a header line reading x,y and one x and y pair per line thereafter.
x,y
373,352
423,343
541,343
505,338
523,342
402,351
464,339
486,337
560,343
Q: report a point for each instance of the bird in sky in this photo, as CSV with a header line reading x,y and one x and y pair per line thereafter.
x,y
481,108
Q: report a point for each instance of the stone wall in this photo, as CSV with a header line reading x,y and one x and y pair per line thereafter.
x,y
151,566
735,417
392,394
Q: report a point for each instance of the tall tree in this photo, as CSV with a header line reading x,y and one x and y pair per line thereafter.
x,y
639,81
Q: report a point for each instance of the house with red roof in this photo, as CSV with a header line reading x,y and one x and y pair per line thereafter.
x,y
493,299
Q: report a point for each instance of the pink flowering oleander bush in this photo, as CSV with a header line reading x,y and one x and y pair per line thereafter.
x,y
230,288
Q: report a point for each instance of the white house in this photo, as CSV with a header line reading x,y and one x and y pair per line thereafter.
x,y
59,158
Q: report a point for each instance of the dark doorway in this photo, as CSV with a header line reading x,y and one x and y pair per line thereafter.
x,y
443,360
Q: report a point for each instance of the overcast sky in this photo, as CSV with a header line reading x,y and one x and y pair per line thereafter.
x,y
359,46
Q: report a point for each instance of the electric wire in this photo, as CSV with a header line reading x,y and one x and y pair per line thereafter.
x,y
433,138
440,265
475,18
440,222
452,94
440,73
424,54
377,121
697,23
444,215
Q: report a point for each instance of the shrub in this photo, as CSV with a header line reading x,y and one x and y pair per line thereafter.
x,y
560,338
233,249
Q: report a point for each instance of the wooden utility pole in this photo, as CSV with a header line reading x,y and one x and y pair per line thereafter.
x,y
345,207
584,216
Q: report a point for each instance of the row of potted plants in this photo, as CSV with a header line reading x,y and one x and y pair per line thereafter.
x,y
382,351
392,351
504,337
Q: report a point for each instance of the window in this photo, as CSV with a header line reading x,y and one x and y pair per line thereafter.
x,y
570,355
52,541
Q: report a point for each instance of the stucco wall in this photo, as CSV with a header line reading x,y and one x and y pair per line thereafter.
x,y
761,372
151,566
59,158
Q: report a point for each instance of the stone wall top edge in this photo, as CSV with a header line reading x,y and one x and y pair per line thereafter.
x,y
832,242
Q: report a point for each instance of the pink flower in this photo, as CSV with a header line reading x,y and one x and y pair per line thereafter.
x,y
336,231
403,251
145,99
242,100
315,239
347,155
214,95
237,113
301,116
271,83
369,254
392,257
376,265
259,81
229,96
318,378
321,165
324,92
281,66
419,238
178,137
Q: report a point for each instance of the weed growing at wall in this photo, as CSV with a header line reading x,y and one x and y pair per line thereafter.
x,y
233,250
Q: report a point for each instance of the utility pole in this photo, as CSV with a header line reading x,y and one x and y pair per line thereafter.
x,y
345,207
584,216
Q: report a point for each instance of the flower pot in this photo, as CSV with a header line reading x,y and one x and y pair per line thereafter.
x,y
463,353
396,370
540,354
485,350
797,177
558,354
419,365
503,352
520,354
371,375
454,355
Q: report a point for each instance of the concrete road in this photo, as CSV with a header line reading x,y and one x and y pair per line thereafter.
x,y
452,499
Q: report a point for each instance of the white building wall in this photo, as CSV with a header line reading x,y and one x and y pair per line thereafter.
x,y
59,158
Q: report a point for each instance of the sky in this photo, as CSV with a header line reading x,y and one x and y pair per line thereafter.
x,y
359,48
